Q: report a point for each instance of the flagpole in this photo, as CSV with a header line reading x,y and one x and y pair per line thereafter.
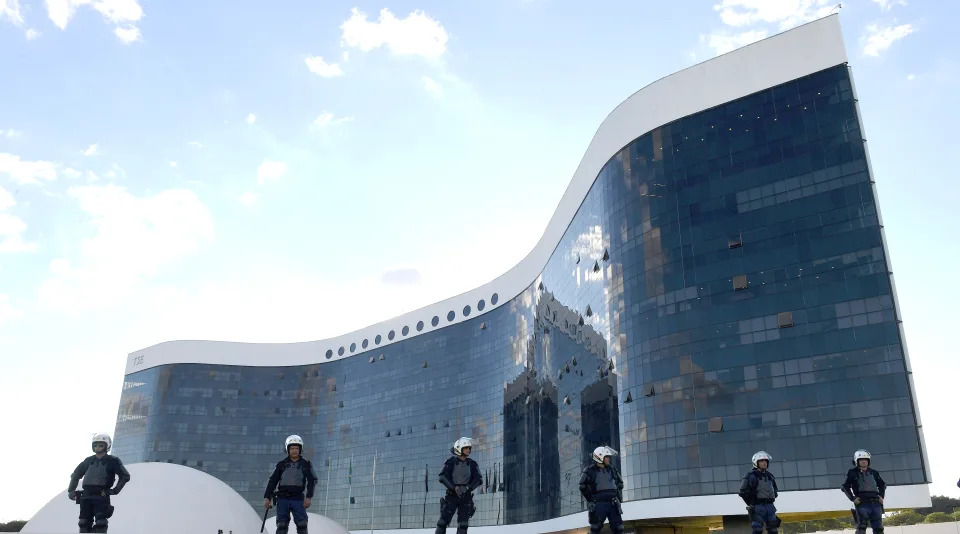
x,y
426,489
350,492
373,507
326,499
403,472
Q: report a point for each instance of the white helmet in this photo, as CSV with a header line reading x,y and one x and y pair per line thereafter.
x,y
601,452
761,455
294,440
857,456
461,444
101,437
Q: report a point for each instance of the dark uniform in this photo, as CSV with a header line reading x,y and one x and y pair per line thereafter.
x,y
869,487
291,479
602,488
759,490
99,474
460,477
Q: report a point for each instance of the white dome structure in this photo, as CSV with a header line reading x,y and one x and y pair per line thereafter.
x,y
163,498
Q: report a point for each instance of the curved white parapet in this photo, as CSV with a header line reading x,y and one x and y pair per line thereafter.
x,y
776,60
163,498
700,507
315,523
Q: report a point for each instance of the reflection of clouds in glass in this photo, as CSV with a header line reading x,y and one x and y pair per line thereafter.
x,y
402,277
589,245
587,252
522,339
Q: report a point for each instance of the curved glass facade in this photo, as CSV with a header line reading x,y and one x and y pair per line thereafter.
x,y
722,289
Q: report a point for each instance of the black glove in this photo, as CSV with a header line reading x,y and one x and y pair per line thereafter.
x,y
591,506
112,491
750,509
71,495
462,490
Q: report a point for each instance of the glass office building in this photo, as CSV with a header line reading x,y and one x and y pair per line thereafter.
x,y
715,283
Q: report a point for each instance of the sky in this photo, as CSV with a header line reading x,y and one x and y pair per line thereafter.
x,y
233,171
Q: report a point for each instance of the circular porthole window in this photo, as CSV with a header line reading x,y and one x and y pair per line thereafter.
x,y
391,335
353,347
419,326
494,299
340,351
435,321
466,311
451,316
329,354
378,339
481,305
365,343
405,331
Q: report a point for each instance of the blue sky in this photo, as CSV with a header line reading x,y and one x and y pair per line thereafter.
x,y
234,171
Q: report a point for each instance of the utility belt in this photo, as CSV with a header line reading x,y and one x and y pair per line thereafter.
x,y
872,499
89,492
605,496
288,495
453,492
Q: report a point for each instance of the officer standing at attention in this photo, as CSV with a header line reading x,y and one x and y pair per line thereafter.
x,y
759,491
602,487
98,472
866,489
460,475
291,477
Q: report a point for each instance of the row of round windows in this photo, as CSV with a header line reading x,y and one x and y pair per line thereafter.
x,y
451,315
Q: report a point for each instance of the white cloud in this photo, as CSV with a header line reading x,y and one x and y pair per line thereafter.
x,y
270,171
115,172
887,5
196,144
432,87
122,13
11,229
251,118
11,234
346,56
72,173
10,133
329,119
128,34
416,35
172,164
26,172
7,311
6,200
785,13
723,43
91,150
133,238
911,77
248,198
318,66
878,39
10,9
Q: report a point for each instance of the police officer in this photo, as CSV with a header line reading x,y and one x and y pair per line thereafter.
x,y
291,477
460,475
759,491
99,473
866,489
602,487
